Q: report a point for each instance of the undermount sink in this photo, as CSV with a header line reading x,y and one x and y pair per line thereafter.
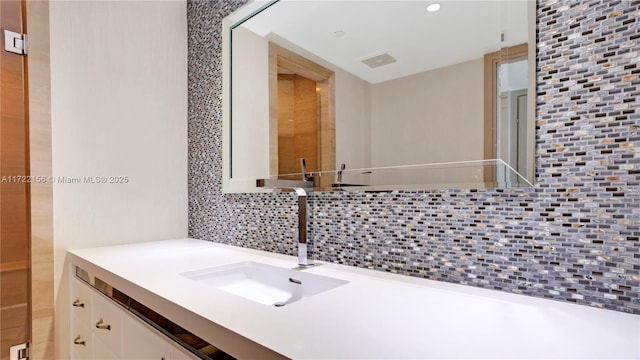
x,y
265,284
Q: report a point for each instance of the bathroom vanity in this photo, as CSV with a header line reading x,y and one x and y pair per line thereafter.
x,y
327,311
101,329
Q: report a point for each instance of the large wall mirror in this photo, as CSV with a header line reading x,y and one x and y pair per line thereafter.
x,y
380,94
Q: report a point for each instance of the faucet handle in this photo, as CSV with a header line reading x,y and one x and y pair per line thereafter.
x,y
305,175
303,169
342,167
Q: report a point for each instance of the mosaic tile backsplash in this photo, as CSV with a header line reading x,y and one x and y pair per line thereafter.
x,y
574,237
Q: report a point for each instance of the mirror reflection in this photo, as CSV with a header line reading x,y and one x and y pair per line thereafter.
x,y
354,86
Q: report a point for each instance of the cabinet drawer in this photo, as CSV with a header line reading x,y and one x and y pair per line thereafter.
x,y
106,322
81,301
81,341
140,341
102,351
103,329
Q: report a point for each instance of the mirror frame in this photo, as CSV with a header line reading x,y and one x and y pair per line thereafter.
x,y
235,185
229,184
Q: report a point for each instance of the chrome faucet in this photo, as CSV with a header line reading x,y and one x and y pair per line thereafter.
x,y
303,258
299,188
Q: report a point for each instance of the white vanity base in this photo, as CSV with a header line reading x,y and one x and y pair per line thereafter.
x,y
375,316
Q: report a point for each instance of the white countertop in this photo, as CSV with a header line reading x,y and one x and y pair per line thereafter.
x,y
375,316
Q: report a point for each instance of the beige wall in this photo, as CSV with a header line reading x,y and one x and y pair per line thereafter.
x,y
429,118
411,120
435,116
353,121
118,108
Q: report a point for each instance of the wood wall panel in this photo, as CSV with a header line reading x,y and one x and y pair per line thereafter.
x,y
42,284
305,141
286,119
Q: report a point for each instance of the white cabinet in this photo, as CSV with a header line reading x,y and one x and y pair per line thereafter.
x,y
82,341
102,351
142,342
106,320
102,330
81,333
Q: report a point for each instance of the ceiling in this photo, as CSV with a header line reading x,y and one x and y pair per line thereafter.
x,y
419,40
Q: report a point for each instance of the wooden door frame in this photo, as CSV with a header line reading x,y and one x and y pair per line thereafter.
x,y
280,57
491,62
522,128
43,345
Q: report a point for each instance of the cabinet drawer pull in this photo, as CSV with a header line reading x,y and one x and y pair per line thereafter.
x,y
77,303
101,325
79,341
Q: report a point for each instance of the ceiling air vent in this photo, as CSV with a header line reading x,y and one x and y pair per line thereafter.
x,y
380,60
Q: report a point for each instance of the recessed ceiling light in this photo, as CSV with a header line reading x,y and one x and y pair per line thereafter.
x,y
339,33
433,7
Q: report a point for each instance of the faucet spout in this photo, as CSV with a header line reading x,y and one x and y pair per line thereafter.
x,y
303,257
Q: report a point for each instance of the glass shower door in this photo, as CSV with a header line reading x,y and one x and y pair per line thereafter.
x,y
14,187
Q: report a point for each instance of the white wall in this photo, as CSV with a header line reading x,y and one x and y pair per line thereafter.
x,y
119,108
